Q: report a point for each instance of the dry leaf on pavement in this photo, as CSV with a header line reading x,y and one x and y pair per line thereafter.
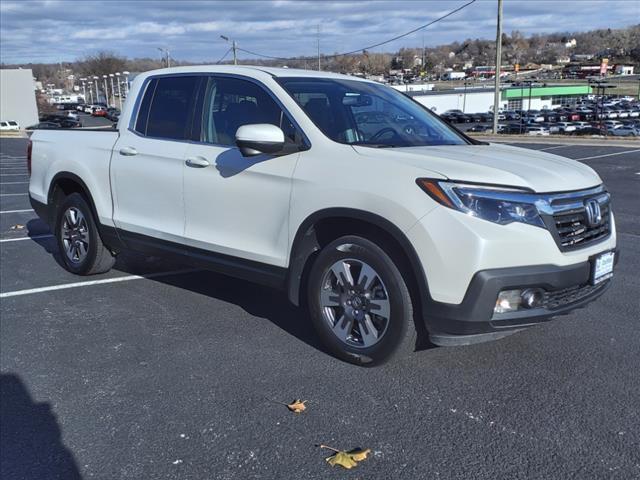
x,y
345,459
297,406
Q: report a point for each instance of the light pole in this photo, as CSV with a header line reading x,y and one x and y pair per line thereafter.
x,y
464,99
233,46
496,95
119,91
126,84
113,92
95,81
106,90
84,89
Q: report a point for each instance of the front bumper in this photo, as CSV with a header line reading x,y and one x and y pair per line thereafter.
x,y
474,320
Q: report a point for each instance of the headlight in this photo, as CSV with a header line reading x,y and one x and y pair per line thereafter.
x,y
495,204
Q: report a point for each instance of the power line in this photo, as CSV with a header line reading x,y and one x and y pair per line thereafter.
x,y
224,56
397,37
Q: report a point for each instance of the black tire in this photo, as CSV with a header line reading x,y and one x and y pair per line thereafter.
x,y
98,258
399,336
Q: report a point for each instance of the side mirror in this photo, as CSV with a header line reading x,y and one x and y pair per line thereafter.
x,y
258,138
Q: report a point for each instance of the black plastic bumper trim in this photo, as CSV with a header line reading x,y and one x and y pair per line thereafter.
x,y
474,315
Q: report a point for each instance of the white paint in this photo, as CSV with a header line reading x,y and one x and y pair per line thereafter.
x,y
554,147
12,194
17,211
608,154
13,183
14,174
35,237
103,281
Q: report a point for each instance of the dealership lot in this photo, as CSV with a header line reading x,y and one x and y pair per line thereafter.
x,y
143,374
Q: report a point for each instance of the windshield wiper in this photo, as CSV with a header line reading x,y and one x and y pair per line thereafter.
x,y
374,145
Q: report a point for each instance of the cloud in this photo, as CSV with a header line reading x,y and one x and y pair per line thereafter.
x,y
62,30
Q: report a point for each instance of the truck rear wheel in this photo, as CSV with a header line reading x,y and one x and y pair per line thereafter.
x,y
359,303
79,242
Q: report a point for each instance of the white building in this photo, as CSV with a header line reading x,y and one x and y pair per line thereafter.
x,y
18,97
480,99
414,87
624,70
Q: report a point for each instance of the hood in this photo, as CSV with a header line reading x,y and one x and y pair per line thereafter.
x,y
495,164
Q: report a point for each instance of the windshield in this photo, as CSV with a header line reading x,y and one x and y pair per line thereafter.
x,y
369,114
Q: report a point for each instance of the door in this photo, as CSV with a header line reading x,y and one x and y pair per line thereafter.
x,y
148,160
238,205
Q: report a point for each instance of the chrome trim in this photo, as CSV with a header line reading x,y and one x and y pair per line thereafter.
x,y
544,202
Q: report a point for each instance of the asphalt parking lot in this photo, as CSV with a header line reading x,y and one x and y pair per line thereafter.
x,y
137,374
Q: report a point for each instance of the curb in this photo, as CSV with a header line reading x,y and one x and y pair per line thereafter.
x,y
632,142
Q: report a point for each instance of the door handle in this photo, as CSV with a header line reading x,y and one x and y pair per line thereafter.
x,y
128,151
197,162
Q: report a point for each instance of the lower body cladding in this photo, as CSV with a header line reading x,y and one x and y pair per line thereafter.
x,y
502,301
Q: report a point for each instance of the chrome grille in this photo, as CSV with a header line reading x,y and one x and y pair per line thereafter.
x,y
566,217
574,231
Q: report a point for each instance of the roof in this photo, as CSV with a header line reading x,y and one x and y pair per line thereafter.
x,y
255,70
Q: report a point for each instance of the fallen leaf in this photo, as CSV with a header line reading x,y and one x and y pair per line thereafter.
x,y
17,227
343,459
297,406
358,454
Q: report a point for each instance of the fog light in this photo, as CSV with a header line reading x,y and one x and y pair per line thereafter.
x,y
508,301
532,297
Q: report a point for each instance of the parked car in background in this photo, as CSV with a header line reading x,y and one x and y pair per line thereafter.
x,y
44,126
112,114
537,131
9,125
99,112
587,131
625,132
566,127
480,128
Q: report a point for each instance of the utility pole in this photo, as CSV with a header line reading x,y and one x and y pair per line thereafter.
x,y
167,57
318,43
496,94
234,47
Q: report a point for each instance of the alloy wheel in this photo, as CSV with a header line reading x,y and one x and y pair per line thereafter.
x,y
355,303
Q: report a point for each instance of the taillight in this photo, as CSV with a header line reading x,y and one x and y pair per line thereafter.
x,y
29,149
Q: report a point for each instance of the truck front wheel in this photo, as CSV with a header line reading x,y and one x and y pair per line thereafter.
x,y
79,242
359,302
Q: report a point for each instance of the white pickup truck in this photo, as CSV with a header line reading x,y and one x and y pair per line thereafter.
x,y
362,205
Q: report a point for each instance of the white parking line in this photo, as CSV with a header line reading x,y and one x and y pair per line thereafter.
x,y
554,147
12,194
14,174
17,211
13,183
95,282
608,154
35,237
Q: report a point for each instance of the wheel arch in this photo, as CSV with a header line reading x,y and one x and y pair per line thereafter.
x,y
323,226
65,183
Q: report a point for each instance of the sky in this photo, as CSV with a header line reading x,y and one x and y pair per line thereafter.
x,y
64,30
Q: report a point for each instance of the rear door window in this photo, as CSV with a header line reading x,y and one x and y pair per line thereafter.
x,y
166,109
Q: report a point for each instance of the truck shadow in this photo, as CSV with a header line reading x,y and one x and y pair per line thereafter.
x,y
30,437
257,300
